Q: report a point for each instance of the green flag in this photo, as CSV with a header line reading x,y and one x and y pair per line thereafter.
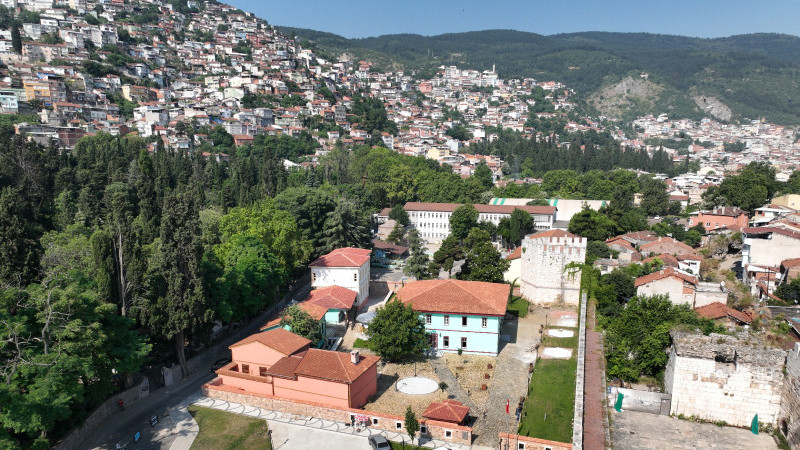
x,y
754,425
618,404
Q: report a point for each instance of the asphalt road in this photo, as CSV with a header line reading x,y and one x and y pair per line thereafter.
x,y
123,426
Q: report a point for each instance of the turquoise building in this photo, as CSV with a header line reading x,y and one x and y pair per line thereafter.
x,y
459,315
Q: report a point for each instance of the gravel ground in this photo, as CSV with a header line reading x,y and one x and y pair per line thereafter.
x,y
471,373
391,401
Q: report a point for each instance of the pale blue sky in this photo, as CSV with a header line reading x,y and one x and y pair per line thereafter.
x,y
364,18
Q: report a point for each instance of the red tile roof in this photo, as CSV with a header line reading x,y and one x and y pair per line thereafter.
x,y
331,297
790,263
343,257
765,230
447,411
285,366
389,248
718,310
280,340
668,260
456,297
679,246
485,209
516,254
664,273
335,366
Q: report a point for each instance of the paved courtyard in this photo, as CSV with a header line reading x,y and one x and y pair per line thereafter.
x,y
632,430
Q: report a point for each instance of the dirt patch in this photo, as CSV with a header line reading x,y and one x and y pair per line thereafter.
x,y
390,401
471,373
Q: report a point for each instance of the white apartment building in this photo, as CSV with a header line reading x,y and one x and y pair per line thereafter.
x,y
432,220
346,267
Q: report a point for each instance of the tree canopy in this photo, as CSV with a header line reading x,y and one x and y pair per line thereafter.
x,y
398,332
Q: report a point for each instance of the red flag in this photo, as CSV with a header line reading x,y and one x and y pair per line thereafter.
x,y
508,404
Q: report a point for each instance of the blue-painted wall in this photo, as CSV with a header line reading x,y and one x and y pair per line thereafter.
x,y
481,340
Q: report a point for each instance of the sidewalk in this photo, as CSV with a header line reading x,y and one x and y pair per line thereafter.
x,y
314,423
185,427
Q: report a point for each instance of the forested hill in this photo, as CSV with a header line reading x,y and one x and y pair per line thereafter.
x,y
738,77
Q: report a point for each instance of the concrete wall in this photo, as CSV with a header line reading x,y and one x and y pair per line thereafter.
x,y
768,252
670,286
435,429
732,392
543,279
642,401
789,421
514,271
480,340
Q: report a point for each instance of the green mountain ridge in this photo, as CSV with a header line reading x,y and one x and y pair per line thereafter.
x,y
755,75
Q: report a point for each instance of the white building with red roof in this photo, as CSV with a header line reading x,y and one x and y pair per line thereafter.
x,y
346,267
459,315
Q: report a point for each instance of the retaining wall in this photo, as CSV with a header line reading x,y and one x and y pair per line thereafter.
x,y
442,431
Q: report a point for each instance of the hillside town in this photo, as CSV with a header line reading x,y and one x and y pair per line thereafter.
x,y
523,318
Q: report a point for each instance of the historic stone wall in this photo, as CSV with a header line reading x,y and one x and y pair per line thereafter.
x,y
515,441
724,378
544,259
789,421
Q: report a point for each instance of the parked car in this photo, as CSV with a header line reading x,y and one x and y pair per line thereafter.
x,y
379,443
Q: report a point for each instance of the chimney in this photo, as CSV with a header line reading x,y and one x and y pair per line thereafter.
x,y
355,356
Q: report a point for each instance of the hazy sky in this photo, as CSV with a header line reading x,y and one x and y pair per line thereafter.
x,y
363,18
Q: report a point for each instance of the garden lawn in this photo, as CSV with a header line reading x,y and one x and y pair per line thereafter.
x,y
550,407
222,430
408,446
518,306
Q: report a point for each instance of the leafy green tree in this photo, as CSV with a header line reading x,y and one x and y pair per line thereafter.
x,y
655,199
417,262
345,226
459,132
789,292
692,238
411,423
638,337
596,250
482,261
301,323
399,214
310,208
593,225
448,253
484,175
749,190
398,332
463,219
520,224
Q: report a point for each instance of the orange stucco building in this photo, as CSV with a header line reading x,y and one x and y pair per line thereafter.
x,y
280,363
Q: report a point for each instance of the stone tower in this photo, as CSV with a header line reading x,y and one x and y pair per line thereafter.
x,y
545,255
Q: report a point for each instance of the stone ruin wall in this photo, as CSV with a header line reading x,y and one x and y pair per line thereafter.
x,y
789,422
732,388
543,279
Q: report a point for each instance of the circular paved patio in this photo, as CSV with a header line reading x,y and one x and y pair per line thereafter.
x,y
416,385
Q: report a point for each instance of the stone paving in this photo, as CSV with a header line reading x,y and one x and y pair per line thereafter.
x,y
316,424
510,379
454,390
632,430
594,419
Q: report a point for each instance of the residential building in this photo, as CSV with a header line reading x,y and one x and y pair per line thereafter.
x,y
681,288
764,249
724,315
719,218
432,220
514,272
278,363
788,200
459,315
346,267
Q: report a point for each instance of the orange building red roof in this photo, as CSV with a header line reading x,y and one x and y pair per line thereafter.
x,y
343,257
447,411
280,340
335,366
456,297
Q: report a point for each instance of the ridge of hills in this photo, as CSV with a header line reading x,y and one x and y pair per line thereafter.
x,y
742,77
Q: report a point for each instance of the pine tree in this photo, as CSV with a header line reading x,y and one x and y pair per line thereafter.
x,y
16,38
417,262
